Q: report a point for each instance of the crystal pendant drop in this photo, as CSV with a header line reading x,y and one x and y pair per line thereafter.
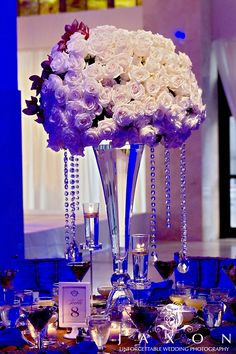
x,y
183,266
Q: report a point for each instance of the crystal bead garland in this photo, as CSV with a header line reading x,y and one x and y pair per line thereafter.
x,y
77,196
66,204
183,265
167,188
153,216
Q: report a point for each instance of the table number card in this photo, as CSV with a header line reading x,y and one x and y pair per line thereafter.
x,y
74,304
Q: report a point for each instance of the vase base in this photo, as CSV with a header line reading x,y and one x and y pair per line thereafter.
x,y
139,286
119,279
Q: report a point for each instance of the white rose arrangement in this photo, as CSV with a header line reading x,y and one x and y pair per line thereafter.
x,y
118,85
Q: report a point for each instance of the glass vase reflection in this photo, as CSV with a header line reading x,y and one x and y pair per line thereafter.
x,y
91,226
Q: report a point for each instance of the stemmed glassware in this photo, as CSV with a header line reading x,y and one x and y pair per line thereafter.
x,y
99,329
143,317
165,268
79,269
38,316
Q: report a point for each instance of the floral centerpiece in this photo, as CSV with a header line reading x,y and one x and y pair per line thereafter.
x,y
117,85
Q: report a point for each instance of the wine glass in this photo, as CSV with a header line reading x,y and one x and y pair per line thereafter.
x,y
38,316
165,268
143,317
99,329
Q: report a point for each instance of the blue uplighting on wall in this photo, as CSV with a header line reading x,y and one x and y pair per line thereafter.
x,y
180,34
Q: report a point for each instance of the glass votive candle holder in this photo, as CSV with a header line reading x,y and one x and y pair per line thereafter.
x,y
140,251
219,294
180,296
197,302
91,225
212,314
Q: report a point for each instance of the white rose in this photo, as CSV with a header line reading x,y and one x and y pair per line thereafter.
x,y
165,99
91,86
184,61
123,60
77,45
73,108
150,104
141,120
61,94
123,115
98,45
83,121
142,44
139,73
152,86
148,134
73,78
112,69
91,137
54,82
76,63
107,128
75,93
152,65
95,71
90,102
120,94
59,62
105,96
160,41
136,89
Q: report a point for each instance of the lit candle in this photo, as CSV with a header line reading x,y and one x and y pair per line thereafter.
x,y
114,331
140,248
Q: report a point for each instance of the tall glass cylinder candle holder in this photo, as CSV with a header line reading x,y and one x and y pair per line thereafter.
x,y
140,252
91,225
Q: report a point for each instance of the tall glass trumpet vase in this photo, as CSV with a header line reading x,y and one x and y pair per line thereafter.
x,y
119,169
91,232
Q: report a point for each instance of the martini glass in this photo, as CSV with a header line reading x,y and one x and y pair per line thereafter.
x,y
79,269
143,317
39,316
165,268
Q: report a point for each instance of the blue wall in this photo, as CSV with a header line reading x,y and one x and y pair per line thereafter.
x,y
11,204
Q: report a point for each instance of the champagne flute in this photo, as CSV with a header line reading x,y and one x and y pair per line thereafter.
x,y
99,329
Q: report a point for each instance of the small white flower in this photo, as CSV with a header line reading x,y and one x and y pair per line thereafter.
x,y
112,69
59,62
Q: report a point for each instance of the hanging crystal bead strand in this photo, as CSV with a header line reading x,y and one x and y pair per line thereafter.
x,y
183,265
153,216
66,205
77,191
74,248
167,188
